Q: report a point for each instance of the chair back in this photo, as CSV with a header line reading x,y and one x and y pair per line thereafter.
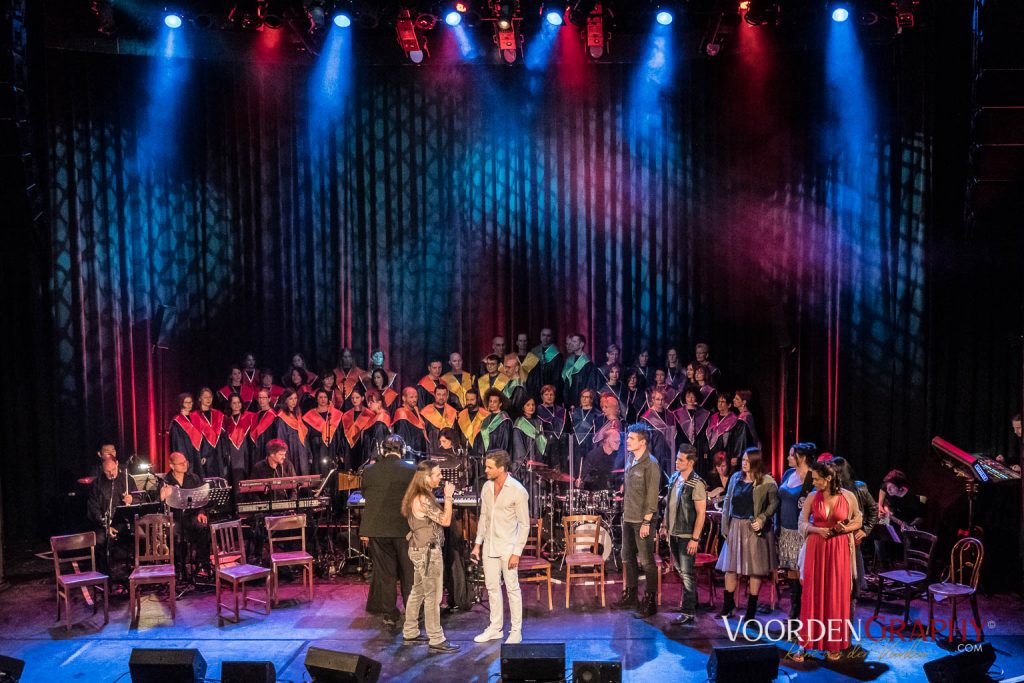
x,y
918,547
965,562
154,539
286,529
709,536
73,548
226,544
582,533
532,547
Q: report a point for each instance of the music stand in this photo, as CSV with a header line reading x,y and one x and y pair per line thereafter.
x,y
185,500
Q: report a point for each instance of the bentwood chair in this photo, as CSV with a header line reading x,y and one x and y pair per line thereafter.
x,y
961,582
911,579
582,538
707,553
154,560
289,529
230,567
73,549
532,567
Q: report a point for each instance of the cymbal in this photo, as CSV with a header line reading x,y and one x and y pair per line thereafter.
x,y
536,465
553,476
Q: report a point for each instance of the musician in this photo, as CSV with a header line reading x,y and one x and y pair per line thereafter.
x,y
491,378
701,355
273,391
896,500
264,424
275,466
555,423
584,424
299,363
543,366
383,529
501,535
639,508
496,430
193,524
379,382
348,377
675,373
664,428
378,425
612,356
291,429
428,384
377,363
108,491
408,423
236,386
596,471
438,416
210,423
235,444
250,375
107,451
514,389
471,419
692,420
457,380
528,442
683,524
185,437
578,373
326,441
1013,457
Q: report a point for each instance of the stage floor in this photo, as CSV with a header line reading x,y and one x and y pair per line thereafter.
x,y
649,650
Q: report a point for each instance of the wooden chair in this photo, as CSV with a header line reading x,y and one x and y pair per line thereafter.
x,y
536,569
581,551
63,547
961,581
289,529
154,560
707,553
918,547
229,566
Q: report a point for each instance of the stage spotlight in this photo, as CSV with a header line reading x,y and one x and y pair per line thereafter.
x,y
453,19
664,17
595,32
104,11
904,11
840,13
762,12
342,20
317,15
408,38
580,10
505,14
172,20
554,18
426,21
461,7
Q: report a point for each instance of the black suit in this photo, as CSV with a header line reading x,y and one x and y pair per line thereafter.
x,y
384,485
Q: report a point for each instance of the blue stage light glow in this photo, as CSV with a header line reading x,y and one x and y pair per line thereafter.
x,y
840,14
453,18
342,20
664,17
172,20
554,18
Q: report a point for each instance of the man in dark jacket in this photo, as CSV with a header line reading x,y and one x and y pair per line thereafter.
x,y
683,525
384,528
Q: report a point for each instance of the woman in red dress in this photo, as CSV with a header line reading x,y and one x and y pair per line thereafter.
x,y
828,519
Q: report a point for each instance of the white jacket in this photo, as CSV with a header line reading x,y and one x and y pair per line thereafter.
x,y
504,524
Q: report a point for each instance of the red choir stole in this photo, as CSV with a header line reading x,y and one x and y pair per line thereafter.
x,y
412,416
194,435
245,392
328,427
210,429
295,423
237,431
261,424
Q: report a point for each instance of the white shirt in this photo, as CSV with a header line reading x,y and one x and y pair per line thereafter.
x,y
504,524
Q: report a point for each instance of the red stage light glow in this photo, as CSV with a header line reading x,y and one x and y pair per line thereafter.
x,y
461,7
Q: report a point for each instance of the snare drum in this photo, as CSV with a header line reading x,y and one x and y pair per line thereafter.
x,y
604,541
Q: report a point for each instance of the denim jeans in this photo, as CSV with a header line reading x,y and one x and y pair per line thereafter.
x,y
683,563
427,586
632,547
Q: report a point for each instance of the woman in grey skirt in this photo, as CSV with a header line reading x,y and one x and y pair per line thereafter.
x,y
793,490
747,515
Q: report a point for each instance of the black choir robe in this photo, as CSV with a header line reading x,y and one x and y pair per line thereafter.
x,y
458,384
187,440
275,394
263,429
389,399
496,432
236,446
618,391
425,391
676,377
636,404
517,395
293,431
692,424
579,373
544,366
707,397
528,441
663,444
556,431
485,383
409,425
584,425
716,438
670,394
644,376
436,420
348,381
376,431
743,436
211,425
326,440
470,421
243,391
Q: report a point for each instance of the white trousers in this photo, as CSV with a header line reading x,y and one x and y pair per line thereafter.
x,y
495,571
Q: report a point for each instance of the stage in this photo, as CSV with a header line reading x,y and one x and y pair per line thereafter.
x,y
649,650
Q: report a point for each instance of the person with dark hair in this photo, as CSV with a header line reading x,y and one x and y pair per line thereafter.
x,y
793,491
634,398
514,390
522,350
383,528
299,363
210,423
377,359
408,423
496,429
614,387
296,383
274,465
471,419
612,355
828,520
236,447
664,429
427,522
718,432
376,425
185,436
501,535
747,515
578,372
236,386
353,422
327,383
896,501
250,375
528,441
348,376
675,373
661,383
683,524
491,377
273,391
692,421
543,366
644,374
869,516
584,421
554,420
326,438
718,479
378,381
705,391
639,509
437,416
744,434
293,431
264,424
1012,457
458,381
428,384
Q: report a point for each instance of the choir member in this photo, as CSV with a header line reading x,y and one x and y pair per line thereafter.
x,y
236,447
299,363
692,420
428,384
543,366
554,419
328,384
634,397
438,416
292,430
719,430
528,442
378,428
273,391
663,424
185,436
491,378
379,383
377,363
408,424
471,418
675,373
498,347
514,390
584,425
744,435
660,382
353,422
615,387
348,376
326,442
297,385
644,373
236,386
210,423
794,488
706,393
264,426
522,350
496,430
701,354
578,373
611,415
612,356
250,375
457,380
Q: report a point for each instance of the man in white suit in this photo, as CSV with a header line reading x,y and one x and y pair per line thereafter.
x,y
502,532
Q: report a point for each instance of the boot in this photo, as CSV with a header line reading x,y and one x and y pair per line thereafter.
x,y
648,606
795,594
728,603
628,600
751,612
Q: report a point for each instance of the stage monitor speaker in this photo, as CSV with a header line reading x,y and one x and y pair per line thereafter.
x,y
248,672
533,662
166,666
972,665
744,664
328,666
597,672
10,669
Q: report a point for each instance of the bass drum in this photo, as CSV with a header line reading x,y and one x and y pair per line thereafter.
x,y
604,540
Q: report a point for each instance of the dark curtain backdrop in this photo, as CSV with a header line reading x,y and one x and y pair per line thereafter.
x,y
446,205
